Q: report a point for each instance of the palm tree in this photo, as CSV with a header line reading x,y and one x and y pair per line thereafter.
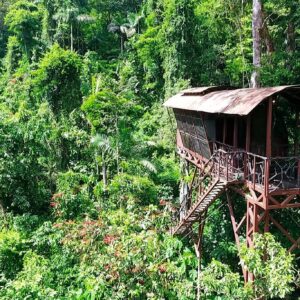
x,y
126,30
69,14
104,153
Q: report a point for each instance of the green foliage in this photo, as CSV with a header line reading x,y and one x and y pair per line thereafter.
x,y
124,187
176,32
57,80
87,149
13,55
26,138
72,199
91,258
10,255
103,110
24,21
35,274
271,265
219,282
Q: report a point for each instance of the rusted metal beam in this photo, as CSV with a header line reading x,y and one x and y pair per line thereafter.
x,y
291,205
225,131
241,223
284,231
235,133
248,133
282,192
287,200
235,228
295,245
269,128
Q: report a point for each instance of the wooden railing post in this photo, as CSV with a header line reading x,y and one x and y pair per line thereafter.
x,y
227,168
254,172
298,179
219,165
266,181
245,164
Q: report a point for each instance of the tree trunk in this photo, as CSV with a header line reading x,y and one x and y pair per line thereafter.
x,y
122,43
117,146
265,35
72,41
256,33
104,172
2,209
291,37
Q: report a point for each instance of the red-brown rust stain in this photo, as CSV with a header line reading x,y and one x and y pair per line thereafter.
x,y
226,100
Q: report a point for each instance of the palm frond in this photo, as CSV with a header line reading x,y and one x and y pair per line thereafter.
x,y
112,27
149,165
85,18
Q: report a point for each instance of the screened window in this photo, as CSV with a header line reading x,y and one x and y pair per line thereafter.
x,y
192,132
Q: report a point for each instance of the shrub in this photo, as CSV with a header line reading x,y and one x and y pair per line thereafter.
x,y
10,254
24,21
72,199
33,281
125,186
271,265
103,109
57,80
217,280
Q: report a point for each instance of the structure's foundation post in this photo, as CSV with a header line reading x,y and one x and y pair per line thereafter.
x,y
198,250
253,220
184,189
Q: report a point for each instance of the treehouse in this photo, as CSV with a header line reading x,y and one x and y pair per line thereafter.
x,y
242,140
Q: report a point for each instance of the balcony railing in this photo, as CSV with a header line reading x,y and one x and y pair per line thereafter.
x,y
284,173
277,173
255,169
268,174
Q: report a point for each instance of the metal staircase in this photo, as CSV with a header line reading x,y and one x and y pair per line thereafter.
x,y
204,199
207,185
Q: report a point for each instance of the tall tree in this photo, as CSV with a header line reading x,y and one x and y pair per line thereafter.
x,y
24,21
256,33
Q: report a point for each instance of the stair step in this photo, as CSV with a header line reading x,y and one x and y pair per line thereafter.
x,y
204,199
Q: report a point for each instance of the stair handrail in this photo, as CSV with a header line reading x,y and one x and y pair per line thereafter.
x,y
203,172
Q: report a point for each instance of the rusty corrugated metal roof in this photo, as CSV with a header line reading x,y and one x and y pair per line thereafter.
x,y
226,100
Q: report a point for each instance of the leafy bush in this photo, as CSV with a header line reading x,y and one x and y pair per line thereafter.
x,y
57,80
72,199
46,240
33,281
27,138
27,223
24,20
103,110
217,280
271,265
10,254
125,186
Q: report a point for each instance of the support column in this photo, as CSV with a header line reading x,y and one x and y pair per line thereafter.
x,y
198,249
269,128
225,131
235,133
248,134
268,151
184,189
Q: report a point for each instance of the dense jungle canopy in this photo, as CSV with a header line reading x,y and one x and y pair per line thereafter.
x,y
88,171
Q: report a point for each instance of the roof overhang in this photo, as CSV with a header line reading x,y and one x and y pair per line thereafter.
x,y
228,100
